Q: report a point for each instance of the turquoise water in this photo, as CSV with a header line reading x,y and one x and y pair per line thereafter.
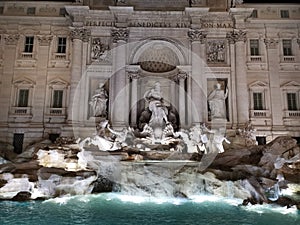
x,y
114,209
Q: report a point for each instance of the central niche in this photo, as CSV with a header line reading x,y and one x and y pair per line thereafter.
x,y
158,58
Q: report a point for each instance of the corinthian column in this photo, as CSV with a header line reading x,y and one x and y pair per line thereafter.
x,y
197,38
78,36
242,97
118,94
275,92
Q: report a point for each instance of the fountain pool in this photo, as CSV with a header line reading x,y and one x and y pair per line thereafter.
x,y
115,208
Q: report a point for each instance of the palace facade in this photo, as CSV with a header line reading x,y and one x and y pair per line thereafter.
x,y
56,57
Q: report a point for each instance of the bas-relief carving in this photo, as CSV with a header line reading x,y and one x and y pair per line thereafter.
x,y
100,52
216,51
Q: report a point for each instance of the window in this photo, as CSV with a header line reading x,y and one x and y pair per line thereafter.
x,y
258,101
23,98
292,101
1,10
61,45
287,47
57,101
29,44
31,11
254,47
284,14
254,13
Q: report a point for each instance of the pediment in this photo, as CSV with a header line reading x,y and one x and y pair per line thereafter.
x,y
258,84
291,84
23,81
58,82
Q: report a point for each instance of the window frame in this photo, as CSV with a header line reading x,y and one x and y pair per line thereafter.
x,y
287,46
284,14
261,101
254,50
28,46
61,47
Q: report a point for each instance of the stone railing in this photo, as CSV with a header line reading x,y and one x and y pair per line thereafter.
x,y
292,114
26,55
56,111
260,113
60,56
288,59
255,58
21,110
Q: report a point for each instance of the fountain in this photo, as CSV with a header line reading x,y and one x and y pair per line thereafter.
x,y
157,160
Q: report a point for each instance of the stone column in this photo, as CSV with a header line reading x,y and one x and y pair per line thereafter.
x,y
197,38
10,41
239,38
119,99
133,76
275,92
181,78
78,35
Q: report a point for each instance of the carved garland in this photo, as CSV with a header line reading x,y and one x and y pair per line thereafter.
x,y
11,39
44,40
271,43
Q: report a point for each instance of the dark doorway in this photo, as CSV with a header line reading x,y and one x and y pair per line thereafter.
x,y
53,137
18,143
261,140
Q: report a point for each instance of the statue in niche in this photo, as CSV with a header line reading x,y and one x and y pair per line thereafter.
x,y
216,100
158,110
99,50
99,101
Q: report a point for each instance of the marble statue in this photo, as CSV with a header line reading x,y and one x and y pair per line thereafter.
x,y
98,102
159,111
216,100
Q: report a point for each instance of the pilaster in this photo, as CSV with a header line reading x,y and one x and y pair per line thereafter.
x,y
238,37
275,92
197,38
119,98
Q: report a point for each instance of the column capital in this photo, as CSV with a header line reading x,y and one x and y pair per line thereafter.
x,y
181,75
236,36
271,43
133,73
11,39
80,33
120,34
197,35
44,40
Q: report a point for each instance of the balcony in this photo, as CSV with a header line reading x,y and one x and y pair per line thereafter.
x,y
56,111
21,111
255,58
60,56
26,55
288,59
260,113
292,114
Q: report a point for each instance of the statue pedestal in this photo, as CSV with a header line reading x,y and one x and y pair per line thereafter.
x,y
218,123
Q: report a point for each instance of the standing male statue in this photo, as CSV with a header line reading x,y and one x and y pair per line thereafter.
x,y
216,101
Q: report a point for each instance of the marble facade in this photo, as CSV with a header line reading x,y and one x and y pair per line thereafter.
x,y
125,47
